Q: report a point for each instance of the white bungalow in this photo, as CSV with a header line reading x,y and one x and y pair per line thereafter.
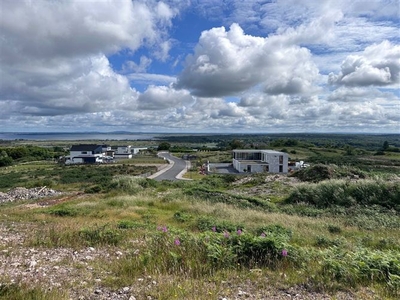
x,y
85,154
258,161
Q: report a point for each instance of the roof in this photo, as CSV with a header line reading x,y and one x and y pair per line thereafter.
x,y
85,147
258,151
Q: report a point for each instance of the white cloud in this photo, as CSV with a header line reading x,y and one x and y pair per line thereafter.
x,y
163,97
229,62
42,29
360,94
53,53
144,63
55,72
74,86
378,65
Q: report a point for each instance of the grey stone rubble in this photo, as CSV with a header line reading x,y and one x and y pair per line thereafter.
x,y
21,193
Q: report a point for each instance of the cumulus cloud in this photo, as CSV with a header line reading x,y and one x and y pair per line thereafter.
x,y
358,94
229,62
377,65
53,53
163,97
74,86
42,29
55,66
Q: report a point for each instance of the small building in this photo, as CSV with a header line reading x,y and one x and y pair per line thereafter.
x,y
85,154
259,161
123,152
136,151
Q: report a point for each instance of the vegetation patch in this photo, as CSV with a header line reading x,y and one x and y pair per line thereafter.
x,y
347,194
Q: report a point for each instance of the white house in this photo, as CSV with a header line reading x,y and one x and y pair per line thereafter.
x,y
258,161
123,152
137,150
85,154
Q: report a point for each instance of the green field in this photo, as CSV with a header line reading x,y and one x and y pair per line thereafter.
x,y
331,230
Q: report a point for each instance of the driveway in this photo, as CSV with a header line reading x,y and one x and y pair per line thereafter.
x,y
174,171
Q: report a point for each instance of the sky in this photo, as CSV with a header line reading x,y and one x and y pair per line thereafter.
x,y
212,66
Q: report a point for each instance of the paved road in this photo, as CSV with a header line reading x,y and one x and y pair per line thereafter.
x,y
179,166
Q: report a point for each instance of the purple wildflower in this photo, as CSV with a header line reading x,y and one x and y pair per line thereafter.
x,y
284,252
226,234
239,232
263,235
177,242
165,229
214,229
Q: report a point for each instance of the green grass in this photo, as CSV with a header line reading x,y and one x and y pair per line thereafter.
x,y
340,235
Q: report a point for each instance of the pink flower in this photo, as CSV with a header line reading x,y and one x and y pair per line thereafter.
x,y
239,232
262,235
226,234
214,229
177,242
284,252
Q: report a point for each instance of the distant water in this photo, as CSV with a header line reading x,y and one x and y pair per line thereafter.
x,y
76,136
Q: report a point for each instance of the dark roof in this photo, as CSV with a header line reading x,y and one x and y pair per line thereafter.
x,y
85,147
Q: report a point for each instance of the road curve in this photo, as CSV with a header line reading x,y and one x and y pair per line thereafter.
x,y
174,171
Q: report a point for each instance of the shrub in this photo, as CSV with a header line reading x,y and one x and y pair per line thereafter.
x,y
254,251
128,224
314,173
334,228
182,216
128,184
93,189
63,211
102,235
347,194
276,231
205,223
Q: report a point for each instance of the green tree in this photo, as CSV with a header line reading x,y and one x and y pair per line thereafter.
x,y
5,160
385,145
164,146
236,144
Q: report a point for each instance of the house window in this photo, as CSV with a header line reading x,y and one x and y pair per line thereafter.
x,y
84,152
280,169
281,159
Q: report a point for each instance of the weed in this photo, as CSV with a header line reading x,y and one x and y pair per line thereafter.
x,y
100,235
15,291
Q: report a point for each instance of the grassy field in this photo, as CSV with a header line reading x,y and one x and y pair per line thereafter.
x,y
328,231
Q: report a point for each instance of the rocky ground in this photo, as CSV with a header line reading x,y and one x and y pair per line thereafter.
x,y
76,272
21,193
73,272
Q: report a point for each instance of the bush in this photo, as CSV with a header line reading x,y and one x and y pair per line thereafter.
x,y
314,173
128,184
128,224
63,212
347,194
102,235
276,231
182,216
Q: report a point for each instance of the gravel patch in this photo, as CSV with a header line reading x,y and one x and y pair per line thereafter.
x,y
21,193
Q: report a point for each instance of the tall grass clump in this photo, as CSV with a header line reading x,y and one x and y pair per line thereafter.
x,y
129,184
348,193
19,291
176,252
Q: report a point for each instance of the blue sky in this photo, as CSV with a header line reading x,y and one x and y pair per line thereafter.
x,y
200,66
